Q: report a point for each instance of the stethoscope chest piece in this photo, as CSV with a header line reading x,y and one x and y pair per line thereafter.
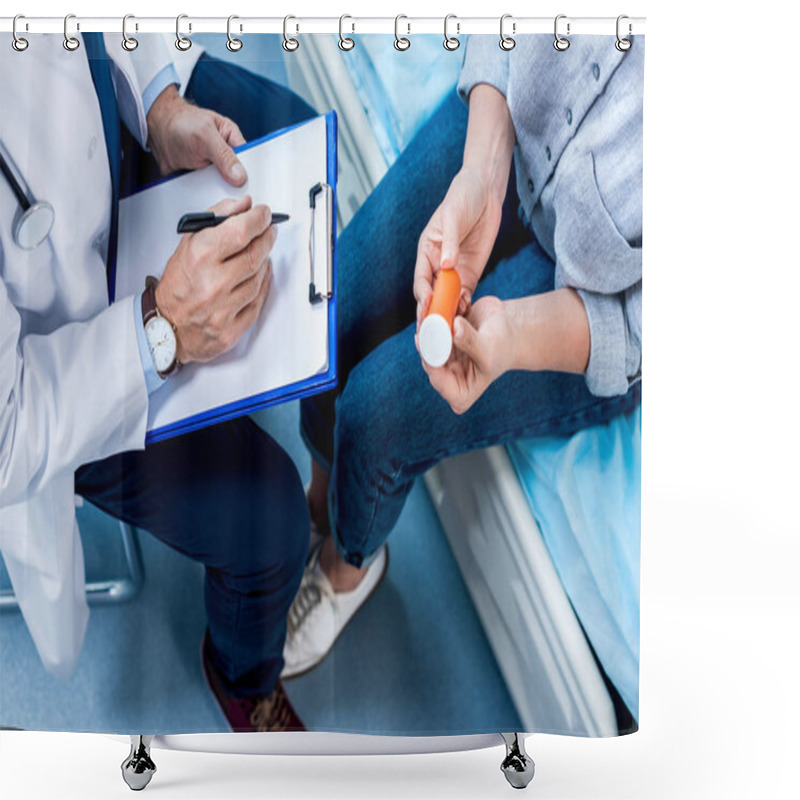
x,y
33,224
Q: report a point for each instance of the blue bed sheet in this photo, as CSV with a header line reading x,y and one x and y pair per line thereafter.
x,y
400,90
585,493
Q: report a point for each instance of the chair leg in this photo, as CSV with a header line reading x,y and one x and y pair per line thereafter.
x,y
517,766
108,591
138,768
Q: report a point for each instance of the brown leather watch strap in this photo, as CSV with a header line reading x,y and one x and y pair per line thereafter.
x,y
149,308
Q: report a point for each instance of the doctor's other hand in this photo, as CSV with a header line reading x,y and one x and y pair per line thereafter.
x,y
460,234
184,136
483,349
215,283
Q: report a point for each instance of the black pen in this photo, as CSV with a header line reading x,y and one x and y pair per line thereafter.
x,y
189,223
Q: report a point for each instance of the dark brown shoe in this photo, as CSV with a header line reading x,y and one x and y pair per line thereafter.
x,y
260,713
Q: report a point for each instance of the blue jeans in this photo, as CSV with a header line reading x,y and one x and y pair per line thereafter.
x,y
384,425
227,496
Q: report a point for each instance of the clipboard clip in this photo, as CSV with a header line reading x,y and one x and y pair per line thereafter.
x,y
315,296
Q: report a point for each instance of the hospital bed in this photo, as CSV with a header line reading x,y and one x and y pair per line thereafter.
x,y
561,617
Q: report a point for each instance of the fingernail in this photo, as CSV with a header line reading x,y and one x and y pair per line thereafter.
x,y
237,171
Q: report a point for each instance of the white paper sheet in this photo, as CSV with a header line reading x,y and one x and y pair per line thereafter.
x,y
289,342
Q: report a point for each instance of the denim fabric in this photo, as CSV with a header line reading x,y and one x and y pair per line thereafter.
x,y
385,425
227,496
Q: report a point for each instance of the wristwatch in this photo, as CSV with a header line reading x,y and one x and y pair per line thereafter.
x,y
159,332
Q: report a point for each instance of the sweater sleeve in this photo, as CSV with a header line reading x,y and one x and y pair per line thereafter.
x,y
484,62
595,259
615,325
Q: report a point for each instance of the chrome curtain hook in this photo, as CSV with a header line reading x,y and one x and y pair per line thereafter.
x,y
70,42
400,42
183,43
623,44
233,44
507,42
18,43
345,42
290,44
451,42
128,42
561,43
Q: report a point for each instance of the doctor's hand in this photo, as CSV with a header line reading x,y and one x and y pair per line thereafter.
x,y
215,284
184,136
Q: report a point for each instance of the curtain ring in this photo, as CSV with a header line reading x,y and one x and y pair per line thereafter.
x,y
18,43
561,44
128,42
622,44
451,42
507,42
183,43
70,42
345,42
290,44
233,44
400,42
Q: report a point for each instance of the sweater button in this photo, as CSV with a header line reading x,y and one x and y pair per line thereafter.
x,y
547,152
596,71
530,185
569,116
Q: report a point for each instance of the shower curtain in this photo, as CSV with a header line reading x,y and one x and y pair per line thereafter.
x,y
435,528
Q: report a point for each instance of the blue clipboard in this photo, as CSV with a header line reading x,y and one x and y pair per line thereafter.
x,y
319,382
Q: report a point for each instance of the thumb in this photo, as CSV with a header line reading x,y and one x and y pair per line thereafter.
x,y
466,339
221,154
451,236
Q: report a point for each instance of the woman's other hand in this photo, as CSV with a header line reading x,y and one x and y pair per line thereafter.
x,y
482,351
548,331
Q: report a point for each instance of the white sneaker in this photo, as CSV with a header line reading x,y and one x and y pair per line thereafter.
x,y
319,614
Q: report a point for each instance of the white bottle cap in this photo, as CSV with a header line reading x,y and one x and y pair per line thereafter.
x,y
435,340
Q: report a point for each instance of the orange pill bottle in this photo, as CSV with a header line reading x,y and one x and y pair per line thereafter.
x,y
436,331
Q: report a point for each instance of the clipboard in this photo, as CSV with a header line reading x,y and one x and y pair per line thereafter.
x,y
293,170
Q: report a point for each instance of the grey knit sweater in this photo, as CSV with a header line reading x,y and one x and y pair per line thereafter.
x,y
578,154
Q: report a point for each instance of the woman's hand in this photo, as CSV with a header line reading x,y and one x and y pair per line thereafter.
x,y
462,230
483,349
548,331
460,234
184,136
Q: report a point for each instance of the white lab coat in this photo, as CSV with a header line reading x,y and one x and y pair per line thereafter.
x,y
72,387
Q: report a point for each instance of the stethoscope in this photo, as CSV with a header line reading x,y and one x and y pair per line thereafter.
x,y
34,219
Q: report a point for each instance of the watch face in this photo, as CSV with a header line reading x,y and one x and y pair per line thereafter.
x,y
161,340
